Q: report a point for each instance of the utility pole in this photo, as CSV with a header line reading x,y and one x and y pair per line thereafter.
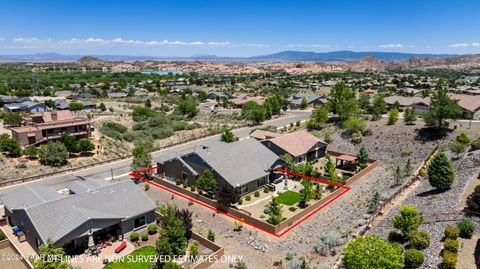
x,y
111,172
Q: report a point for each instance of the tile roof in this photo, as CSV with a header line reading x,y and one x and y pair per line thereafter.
x,y
262,135
297,143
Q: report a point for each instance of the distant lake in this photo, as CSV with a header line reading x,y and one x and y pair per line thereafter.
x,y
162,72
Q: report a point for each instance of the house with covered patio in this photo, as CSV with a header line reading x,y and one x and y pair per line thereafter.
x,y
85,212
302,145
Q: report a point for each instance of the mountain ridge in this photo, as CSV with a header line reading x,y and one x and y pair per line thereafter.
x,y
283,56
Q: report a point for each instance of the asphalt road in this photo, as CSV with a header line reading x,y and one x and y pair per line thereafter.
x,y
120,169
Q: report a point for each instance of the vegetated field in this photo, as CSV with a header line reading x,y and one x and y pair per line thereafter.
x,y
138,259
289,198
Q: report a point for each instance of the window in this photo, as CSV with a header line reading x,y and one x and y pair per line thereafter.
x,y
139,222
261,182
184,177
244,189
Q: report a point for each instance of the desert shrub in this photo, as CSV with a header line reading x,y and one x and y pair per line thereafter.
x,y
113,130
477,189
467,228
152,228
476,144
211,236
473,202
451,232
256,194
413,258
144,236
449,260
194,249
354,125
248,198
134,237
451,245
395,237
419,239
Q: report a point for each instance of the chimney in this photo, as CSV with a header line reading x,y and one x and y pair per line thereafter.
x,y
54,116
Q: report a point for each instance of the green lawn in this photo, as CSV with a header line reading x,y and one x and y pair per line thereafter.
x,y
133,260
289,198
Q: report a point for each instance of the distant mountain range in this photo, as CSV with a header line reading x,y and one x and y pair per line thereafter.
x,y
284,56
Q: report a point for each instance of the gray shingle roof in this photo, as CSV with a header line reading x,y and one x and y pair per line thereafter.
x,y
239,162
55,219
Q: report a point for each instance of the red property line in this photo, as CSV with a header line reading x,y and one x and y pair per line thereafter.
x,y
135,175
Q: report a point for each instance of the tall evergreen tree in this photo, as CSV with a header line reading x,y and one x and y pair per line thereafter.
x,y
441,173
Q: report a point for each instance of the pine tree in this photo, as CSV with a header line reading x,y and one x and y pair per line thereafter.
x,y
398,176
362,157
409,116
408,168
393,116
441,174
374,202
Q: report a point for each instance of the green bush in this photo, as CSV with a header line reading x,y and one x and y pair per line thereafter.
x,y
449,260
451,245
134,236
451,232
395,237
193,188
152,228
256,194
266,189
240,201
413,258
248,198
477,188
2,235
467,228
144,236
178,181
419,239
211,236
292,208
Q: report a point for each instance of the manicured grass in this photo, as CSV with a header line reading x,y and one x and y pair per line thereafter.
x,y
133,260
289,198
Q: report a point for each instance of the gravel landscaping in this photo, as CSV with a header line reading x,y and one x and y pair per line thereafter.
x,y
392,146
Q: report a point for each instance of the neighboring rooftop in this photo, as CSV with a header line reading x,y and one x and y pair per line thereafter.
x,y
297,143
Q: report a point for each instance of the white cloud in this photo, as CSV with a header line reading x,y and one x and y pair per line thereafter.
x,y
459,45
94,41
475,44
396,46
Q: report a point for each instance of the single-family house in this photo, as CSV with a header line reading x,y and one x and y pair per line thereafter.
x,y
296,100
87,209
301,145
245,165
43,127
217,95
25,106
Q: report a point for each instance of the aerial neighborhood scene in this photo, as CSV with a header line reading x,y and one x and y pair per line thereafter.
x,y
239,134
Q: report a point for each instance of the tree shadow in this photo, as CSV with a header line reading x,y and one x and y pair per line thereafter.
x,y
477,254
431,192
431,134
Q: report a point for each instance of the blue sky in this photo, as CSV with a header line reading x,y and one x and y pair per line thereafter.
x,y
237,28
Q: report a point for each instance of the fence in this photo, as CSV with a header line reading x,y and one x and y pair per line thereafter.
x,y
206,262
273,229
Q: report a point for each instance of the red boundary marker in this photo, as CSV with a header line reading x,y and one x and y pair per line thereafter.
x,y
345,189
